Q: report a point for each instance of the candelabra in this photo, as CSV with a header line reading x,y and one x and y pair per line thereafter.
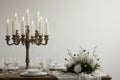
x,y
27,40
36,36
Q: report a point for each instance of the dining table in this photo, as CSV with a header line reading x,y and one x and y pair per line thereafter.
x,y
53,75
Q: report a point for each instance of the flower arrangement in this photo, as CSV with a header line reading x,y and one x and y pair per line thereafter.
x,y
82,62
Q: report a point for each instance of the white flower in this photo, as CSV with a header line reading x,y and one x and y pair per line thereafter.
x,y
90,59
77,68
93,63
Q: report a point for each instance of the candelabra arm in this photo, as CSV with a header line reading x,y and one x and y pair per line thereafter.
x,y
32,39
23,39
7,41
39,42
46,39
16,38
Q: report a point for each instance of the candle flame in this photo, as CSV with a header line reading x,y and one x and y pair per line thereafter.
x,y
38,13
7,20
22,18
15,14
46,20
32,22
27,10
41,17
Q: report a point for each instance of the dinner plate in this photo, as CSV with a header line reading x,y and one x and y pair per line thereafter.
x,y
31,74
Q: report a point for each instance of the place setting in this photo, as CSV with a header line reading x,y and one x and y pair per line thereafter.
x,y
44,67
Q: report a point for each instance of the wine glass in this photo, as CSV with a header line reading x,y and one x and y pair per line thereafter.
x,y
8,61
7,64
48,63
15,63
40,63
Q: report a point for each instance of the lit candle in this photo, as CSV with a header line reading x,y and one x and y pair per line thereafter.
x,y
13,30
46,27
27,18
7,27
40,26
23,26
32,29
16,22
37,20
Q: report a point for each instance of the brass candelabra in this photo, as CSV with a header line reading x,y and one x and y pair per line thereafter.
x,y
27,40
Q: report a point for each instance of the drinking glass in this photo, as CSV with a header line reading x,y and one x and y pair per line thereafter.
x,y
40,63
7,64
15,63
8,61
48,63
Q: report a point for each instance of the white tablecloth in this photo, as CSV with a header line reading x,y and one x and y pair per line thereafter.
x,y
71,76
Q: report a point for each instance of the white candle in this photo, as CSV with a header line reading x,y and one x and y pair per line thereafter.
x,y
13,30
40,26
7,27
16,21
16,24
27,18
23,26
37,20
32,29
46,27
19,29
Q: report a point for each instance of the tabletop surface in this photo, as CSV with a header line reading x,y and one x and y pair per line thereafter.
x,y
16,76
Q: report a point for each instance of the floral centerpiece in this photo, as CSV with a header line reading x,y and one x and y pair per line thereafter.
x,y
82,62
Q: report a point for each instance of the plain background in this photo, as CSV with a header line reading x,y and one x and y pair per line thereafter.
x,y
73,23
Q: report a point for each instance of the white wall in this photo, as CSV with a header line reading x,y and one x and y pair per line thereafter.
x,y
72,23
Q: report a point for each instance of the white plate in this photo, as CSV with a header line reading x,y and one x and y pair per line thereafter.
x,y
29,74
